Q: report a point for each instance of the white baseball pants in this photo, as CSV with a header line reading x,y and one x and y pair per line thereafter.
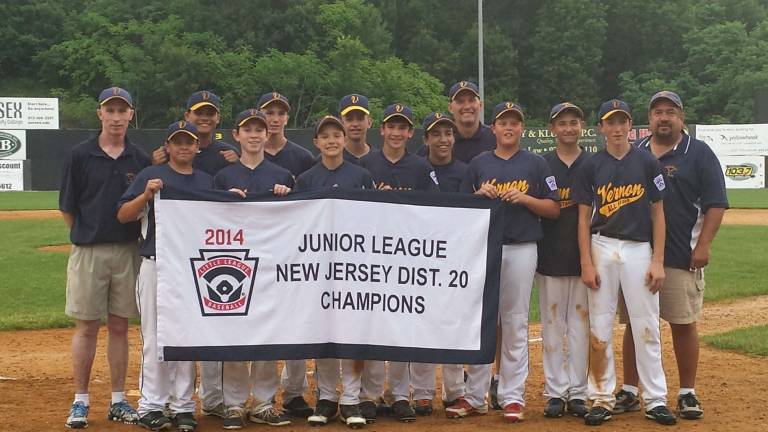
x,y
294,379
327,375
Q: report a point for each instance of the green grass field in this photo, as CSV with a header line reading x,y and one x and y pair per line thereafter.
x,y
33,283
752,340
748,198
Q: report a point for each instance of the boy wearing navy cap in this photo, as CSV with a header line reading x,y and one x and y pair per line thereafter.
x,y
101,272
619,191
279,150
203,111
523,180
252,173
333,171
356,118
562,296
162,382
439,133
695,198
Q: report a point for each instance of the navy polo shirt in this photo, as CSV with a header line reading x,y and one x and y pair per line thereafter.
x,y
410,172
695,184
621,192
347,175
262,178
210,160
349,157
197,180
524,171
450,175
91,186
292,157
559,248
465,149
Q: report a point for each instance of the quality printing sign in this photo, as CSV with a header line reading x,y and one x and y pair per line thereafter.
x,y
13,144
743,172
332,274
29,113
735,140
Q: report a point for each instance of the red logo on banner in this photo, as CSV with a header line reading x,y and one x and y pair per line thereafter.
x,y
224,281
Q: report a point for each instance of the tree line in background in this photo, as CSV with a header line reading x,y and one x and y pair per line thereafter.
x,y
713,52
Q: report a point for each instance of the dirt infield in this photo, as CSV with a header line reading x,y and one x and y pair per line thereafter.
x,y
732,216
40,389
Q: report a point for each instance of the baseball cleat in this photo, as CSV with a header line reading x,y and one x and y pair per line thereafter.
x,y
597,416
298,407
513,413
269,415
661,415
423,407
403,412
325,411
689,407
555,408
155,421
350,416
462,409
577,407
368,411
122,412
235,418
185,422
78,416
626,402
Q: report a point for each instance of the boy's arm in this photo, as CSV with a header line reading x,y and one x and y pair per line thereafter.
x,y
588,271
655,275
131,210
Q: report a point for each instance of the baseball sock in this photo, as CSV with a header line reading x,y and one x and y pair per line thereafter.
x,y
684,391
84,398
118,397
629,388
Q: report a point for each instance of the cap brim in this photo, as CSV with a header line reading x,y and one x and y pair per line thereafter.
x,y
349,109
202,104
116,97
464,89
672,101
612,112
329,121
271,101
438,121
569,108
245,120
181,131
515,110
389,117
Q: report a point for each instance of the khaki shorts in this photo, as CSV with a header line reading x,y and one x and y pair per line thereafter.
x,y
101,279
680,298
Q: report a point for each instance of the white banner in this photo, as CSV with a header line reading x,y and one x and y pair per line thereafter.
x,y
743,172
13,144
11,175
29,113
327,277
735,140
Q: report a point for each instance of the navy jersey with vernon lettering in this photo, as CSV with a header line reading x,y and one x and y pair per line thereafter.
x,y
465,149
262,178
347,175
197,180
410,172
210,160
620,192
524,171
92,183
292,157
451,175
695,184
559,248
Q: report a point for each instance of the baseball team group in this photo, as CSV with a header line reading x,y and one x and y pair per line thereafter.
x,y
626,229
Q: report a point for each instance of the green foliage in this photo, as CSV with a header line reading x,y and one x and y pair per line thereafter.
x,y
315,51
750,340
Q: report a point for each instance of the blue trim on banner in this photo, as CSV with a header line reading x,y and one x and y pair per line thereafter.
x,y
490,313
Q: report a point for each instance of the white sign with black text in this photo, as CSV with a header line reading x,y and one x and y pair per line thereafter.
x,y
13,144
735,140
743,172
29,113
11,175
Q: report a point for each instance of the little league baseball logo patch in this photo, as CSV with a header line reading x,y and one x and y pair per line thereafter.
x,y
224,281
551,182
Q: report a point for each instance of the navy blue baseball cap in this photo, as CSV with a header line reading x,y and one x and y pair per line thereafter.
x,y
250,114
268,98
433,119
396,110
202,98
108,94
668,95
612,107
462,86
326,120
506,107
181,126
353,102
564,107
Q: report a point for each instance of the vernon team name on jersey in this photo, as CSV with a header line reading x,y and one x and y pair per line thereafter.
x,y
521,185
565,198
615,197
